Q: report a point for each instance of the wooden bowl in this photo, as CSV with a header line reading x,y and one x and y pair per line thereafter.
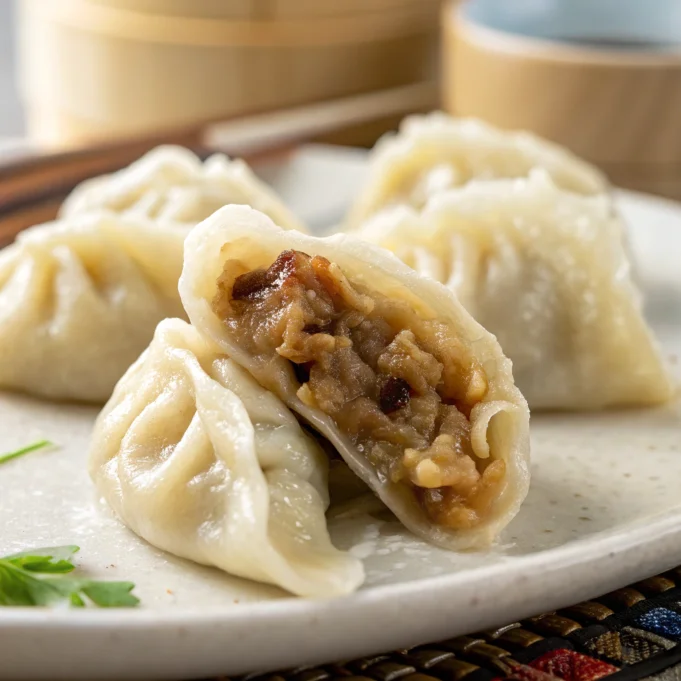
x,y
601,77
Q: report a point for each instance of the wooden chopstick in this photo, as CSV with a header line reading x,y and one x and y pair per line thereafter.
x,y
293,126
33,187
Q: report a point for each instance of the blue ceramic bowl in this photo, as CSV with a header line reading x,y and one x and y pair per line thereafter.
x,y
642,25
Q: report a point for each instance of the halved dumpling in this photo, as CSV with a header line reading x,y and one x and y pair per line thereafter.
x,y
415,395
547,272
172,184
436,152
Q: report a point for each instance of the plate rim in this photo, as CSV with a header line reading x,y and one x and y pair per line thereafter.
x,y
283,622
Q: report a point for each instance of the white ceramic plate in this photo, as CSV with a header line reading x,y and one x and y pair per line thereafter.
x,y
603,511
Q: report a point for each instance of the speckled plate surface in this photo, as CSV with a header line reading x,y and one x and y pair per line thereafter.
x,y
604,510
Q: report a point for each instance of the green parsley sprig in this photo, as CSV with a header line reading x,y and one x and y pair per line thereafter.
x,y
42,577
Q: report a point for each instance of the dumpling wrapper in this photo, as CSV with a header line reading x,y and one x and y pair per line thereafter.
x,y
499,422
198,459
436,152
172,184
547,272
80,299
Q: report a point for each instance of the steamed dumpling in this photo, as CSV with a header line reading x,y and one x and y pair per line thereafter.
x,y
198,459
171,184
79,301
547,272
415,395
436,152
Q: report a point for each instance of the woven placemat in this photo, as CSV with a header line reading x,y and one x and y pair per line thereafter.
x,y
629,634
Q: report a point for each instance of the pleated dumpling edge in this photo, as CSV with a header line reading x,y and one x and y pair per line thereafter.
x,y
79,301
171,184
434,152
201,461
548,272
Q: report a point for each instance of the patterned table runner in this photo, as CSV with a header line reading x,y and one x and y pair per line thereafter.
x,y
630,634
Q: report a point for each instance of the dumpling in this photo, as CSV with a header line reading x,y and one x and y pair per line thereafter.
x,y
79,301
199,460
171,184
436,152
547,272
414,394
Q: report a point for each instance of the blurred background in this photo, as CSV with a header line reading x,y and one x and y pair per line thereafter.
x,y
11,118
602,77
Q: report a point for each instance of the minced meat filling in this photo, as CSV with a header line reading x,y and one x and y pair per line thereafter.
x,y
399,386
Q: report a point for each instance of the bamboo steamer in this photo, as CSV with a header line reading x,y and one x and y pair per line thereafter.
x,y
93,68
257,9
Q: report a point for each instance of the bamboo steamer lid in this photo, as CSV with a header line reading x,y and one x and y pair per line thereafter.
x,y
105,20
260,9
216,9
113,68
610,91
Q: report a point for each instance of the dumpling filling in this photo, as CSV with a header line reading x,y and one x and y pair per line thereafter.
x,y
399,386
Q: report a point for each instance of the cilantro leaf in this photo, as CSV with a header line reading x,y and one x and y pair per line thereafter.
x,y
41,444
21,588
39,578
76,601
111,594
55,552
56,559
